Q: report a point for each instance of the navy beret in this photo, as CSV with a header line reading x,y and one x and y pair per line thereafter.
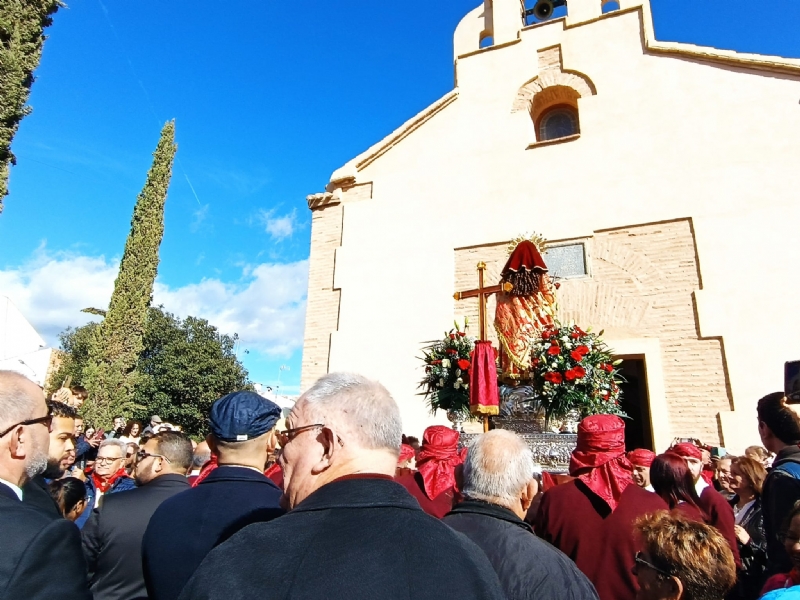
x,y
242,416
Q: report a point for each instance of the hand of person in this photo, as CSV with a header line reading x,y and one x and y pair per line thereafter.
x,y
741,534
93,442
63,395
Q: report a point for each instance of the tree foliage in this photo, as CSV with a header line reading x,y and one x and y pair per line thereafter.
x,y
110,374
22,25
185,365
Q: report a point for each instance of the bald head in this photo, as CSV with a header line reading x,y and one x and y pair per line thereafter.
x,y
19,398
499,466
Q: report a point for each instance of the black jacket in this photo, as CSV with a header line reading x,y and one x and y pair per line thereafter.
x,y
186,527
781,491
354,538
34,493
754,555
112,538
41,556
529,568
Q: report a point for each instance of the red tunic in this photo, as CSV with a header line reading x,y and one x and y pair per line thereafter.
x,y
439,506
720,515
602,543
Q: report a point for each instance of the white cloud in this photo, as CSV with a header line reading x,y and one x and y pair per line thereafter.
x,y
279,227
266,307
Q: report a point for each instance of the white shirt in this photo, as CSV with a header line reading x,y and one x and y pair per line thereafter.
x,y
14,488
740,513
700,486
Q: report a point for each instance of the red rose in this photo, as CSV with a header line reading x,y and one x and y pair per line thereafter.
x,y
546,335
462,333
452,351
579,371
463,364
570,375
452,336
609,368
553,377
554,349
583,350
576,356
579,331
574,335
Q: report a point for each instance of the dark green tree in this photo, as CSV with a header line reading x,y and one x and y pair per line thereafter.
x,y
22,25
185,365
110,374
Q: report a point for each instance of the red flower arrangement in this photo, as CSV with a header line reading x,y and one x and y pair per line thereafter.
x,y
573,369
447,364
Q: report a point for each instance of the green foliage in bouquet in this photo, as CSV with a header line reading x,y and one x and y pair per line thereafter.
x,y
572,369
447,363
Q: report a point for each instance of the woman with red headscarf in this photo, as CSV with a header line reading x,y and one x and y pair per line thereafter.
x,y
591,518
434,482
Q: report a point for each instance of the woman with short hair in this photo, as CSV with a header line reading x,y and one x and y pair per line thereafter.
x,y
682,559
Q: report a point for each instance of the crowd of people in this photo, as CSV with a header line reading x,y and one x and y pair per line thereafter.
x,y
335,502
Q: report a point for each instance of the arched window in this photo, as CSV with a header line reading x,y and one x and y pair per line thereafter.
x,y
557,122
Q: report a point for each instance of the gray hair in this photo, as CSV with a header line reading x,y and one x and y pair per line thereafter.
x,y
16,404
200,458
498,466
123,446
362,405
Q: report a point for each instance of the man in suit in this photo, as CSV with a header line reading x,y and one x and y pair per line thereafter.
x,y
352,531
112,538
62,435
41,557
186,527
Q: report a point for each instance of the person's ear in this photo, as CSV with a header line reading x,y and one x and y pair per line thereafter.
x,y
212,444
18,442
675,587
328,441
272,441
528,494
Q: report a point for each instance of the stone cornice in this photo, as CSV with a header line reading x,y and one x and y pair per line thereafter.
x,y
349,171
323,200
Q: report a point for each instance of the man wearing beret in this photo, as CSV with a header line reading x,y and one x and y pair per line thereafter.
x,y
235,494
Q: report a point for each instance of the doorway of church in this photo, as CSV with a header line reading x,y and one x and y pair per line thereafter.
x,y
636,403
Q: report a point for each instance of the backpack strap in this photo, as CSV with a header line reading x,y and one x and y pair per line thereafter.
x,y
790,468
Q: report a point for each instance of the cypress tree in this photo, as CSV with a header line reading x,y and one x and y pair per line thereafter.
x,y
22,25
110,374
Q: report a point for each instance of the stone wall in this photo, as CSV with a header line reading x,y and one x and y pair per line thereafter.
x,y
641,284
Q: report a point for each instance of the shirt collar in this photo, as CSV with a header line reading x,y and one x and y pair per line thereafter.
x,y
700,486
490,510
14,488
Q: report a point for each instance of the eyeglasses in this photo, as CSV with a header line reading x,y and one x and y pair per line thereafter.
x,y
641,561
107,460
287,435
141,455
46,420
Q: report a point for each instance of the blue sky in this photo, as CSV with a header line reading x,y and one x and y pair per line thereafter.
x,y
269,98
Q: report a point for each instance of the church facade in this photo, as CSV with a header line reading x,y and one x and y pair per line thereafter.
x,y
664,176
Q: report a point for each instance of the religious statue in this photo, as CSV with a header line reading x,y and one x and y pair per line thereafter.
x,y
527,308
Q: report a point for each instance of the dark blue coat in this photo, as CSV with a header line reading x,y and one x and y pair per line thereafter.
x,y
186,527
354,539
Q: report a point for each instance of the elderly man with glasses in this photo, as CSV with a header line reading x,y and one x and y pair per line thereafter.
x,y
236,493
112,539
107,477
352,531
41,557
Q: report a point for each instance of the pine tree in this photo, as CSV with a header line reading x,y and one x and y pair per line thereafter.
x,y
110,374
22,25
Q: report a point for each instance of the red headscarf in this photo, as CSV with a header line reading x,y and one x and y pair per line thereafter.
x,y
406,453
599,460
686,450
438,459
641,457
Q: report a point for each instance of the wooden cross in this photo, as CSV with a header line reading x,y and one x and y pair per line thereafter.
x,y
482,294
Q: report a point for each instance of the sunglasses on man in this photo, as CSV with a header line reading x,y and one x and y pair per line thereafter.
x,y
47,420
